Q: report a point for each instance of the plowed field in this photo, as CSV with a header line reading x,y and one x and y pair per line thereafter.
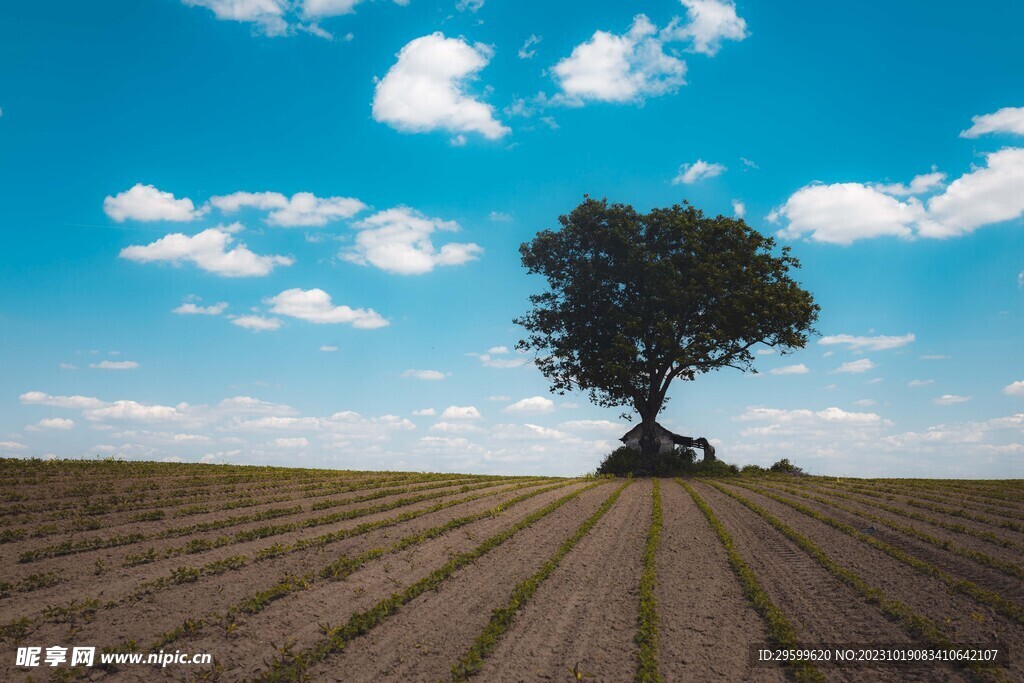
x,y
244,573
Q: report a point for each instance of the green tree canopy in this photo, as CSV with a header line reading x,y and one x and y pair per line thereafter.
x,y
635,301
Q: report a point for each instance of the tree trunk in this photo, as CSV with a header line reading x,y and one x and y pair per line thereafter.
x,y
649,445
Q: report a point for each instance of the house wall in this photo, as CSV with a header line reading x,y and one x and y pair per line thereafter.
x,y
665,445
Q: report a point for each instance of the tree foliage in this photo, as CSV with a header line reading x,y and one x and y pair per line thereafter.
x,y
635,301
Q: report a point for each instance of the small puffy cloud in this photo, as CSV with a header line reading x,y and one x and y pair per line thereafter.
x,y
865,402
495,358
328,349
843,213
739,209
698,170
914,383
1014,389
12,446
425,89
68,366
499,217
534,404
209,250
430,375
856,366
879,343
1020,280
192,308
74,402
146,203
454,427
499,397
315,306
115,365
256,323
950,399
1006,120
291,442
798,369
424,412
528,50
710,22
460,413
934,356
619,68
831,415
55,423
303,209
604,426
921,184
469,5
399,241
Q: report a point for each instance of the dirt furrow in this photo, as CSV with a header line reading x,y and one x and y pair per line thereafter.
x,y
962,619
822,609
705,623
585,613
297,616
1010,587
120,583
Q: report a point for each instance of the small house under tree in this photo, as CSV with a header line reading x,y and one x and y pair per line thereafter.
x,y
667,441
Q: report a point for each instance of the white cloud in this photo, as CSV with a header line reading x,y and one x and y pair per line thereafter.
x,y
525,52
291,442
831,415
934,356
191,308
146,203
430,375
739,209
75,402
798,369
921,184
1006,120
256,323
424,412
619,68
460,413
697,171
68,366
534,404
454,427
499,397
879,343
765,352
328,349
845,212
982,197
315,306
711,22
132,410
209,251
604,426
115,365
490,360
425,89
950,399
12,446
469,5
55,423
865,402
303,209
914,383
1014,389
398,241
1020,279
856,366
499,217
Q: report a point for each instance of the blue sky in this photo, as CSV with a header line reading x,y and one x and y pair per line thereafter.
x,y
286,231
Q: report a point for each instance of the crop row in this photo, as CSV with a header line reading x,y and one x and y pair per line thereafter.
x,y
916,625
986,536
980,595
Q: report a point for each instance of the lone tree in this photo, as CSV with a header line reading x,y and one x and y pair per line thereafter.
x,y
635,301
